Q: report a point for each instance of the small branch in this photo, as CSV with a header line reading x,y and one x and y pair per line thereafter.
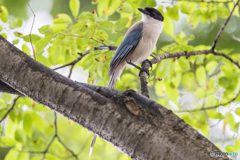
x,y
30,35
143,78
70,71
223,27
74,155
236,38
14,102
191,53
86,53
227,57
203,1
57,136
213,107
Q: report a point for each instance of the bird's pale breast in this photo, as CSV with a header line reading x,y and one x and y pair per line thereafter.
x,y
147,43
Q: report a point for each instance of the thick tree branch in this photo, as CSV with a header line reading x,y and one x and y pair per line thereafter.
x,y
122,119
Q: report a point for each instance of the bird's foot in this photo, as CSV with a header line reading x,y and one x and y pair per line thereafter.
x,y
141,69
147,60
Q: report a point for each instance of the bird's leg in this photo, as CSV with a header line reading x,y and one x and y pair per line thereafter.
x,y
141,69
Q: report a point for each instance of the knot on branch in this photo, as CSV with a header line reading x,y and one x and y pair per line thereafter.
x,y
143,103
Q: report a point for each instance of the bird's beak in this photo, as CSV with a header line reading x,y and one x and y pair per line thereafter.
x,y
143,11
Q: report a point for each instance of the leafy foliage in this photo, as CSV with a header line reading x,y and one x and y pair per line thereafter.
x,y
182,85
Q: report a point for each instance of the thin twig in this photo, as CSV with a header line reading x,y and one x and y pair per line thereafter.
x,y
57,136
70,71
227,57
14,102
213,107
86,53
191,53
74,155
30,35
202,1
236,38
223,27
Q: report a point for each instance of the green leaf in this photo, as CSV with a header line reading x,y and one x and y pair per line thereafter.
x,y
15,41
189,77
228,83
34,38
12,155
23,156
74,7
172,92
27,123
18,34
125,8
210,101
25,49
102,7
215,115
230,119
15,23
237,144
45,29
121,23
184,63
169,27
42,44
0,28
173,13
222,11
62,19
164,68
237,111
107,25
201,75
184,8
20,136
102,35
39,121
211,66
194,19
115,4
230,148
4,35
58,27
151,3
3,14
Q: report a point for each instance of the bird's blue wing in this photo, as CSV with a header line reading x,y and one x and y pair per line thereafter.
x,y
127,45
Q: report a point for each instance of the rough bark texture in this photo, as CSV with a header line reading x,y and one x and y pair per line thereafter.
x,y
137,126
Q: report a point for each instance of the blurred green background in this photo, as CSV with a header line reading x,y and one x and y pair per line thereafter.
x,y
60,32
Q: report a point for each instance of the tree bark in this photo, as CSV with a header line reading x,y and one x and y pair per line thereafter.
x,y
136,125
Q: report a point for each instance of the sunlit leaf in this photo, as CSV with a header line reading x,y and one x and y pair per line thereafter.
x,y
4,14
125,8
74,7
15,23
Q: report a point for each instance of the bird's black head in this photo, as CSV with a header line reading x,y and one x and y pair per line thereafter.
x,y
152,12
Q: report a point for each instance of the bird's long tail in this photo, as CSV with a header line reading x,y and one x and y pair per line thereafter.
x,y
112,82
93,142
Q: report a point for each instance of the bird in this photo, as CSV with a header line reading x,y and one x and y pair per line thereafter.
x,y
136,46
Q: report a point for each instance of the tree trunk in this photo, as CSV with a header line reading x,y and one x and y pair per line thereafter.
x,y
136,125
